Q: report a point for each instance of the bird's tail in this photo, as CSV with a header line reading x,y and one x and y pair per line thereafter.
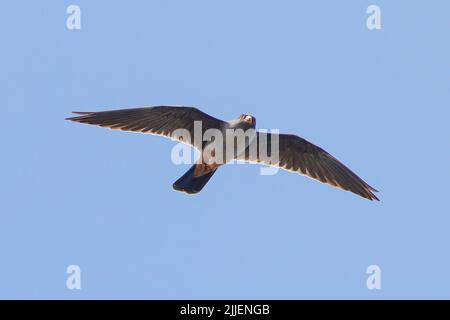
x,y
192,184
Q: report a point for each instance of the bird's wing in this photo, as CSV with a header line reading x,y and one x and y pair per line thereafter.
x,y
161,120
298,155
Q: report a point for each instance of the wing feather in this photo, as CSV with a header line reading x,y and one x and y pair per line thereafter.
x,y
299,155
160,120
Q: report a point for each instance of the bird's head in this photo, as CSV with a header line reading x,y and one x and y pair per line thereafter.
x,y
249,119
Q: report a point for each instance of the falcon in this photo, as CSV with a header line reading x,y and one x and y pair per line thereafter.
x,y
295,154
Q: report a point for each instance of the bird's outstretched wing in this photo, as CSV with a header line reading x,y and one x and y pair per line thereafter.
x,y
298,155
160,120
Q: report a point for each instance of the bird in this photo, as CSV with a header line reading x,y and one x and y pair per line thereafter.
x,y
295,154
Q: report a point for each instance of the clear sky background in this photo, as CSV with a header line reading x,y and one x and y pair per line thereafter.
x,y
101,199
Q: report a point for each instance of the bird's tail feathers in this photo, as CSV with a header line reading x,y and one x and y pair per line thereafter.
x,y
191,183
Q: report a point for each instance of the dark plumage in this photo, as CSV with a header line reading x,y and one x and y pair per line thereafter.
x,y
298,155
295,153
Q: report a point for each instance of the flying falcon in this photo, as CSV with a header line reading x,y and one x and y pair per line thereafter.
x,y
295,153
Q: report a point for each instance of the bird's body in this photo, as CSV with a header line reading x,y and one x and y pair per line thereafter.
x,y
293,153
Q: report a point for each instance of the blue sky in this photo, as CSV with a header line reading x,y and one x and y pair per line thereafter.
x,y
101,199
